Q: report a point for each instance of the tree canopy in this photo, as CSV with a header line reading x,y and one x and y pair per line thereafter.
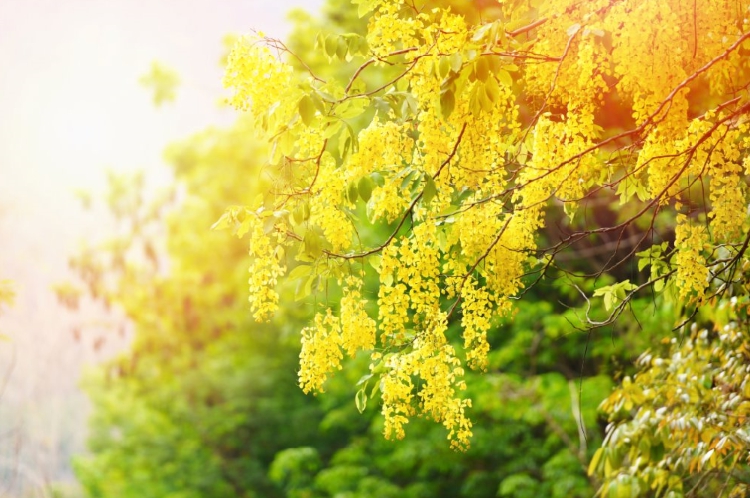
x,y
627,116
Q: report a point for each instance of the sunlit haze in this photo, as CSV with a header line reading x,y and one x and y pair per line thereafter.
x,y
71,106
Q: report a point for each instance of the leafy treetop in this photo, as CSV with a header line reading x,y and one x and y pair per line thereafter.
x,y
467,139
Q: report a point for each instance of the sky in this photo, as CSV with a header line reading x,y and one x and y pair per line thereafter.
x,y
69,92
70,107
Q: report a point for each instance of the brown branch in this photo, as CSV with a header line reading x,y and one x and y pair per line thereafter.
x,y
390,238
527,28
648,121
690,153
476,263
280,46
373,60
552,85
524,55
667,100
631,241
380,88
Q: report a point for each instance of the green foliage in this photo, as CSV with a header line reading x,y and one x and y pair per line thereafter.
x,y
201,403
678,426
162,81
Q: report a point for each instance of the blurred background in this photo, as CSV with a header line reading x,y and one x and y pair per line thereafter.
x,y
71,108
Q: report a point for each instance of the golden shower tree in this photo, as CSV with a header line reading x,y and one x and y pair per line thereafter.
x,y
460,140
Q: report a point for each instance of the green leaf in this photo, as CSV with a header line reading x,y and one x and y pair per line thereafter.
x,y
331,129
351,192
430,189
377,178
408,179
269,224
300,271
326,96
341,48
364,6
595,461
447,103
481,32
286,143
492,89
304,288
364,48
242,228
301,213
442,240
297,215
352,43
482,69
444,66
306,110
365,188
614,294
312,244
364,379
361,400
386,279
224,222
374,261
518,485
630,186
320,40
352,108
345,143
456,62
318,102
476,100
381,105
331,45
410,104
505,78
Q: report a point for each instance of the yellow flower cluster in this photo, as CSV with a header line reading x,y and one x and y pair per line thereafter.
x,y
320,353
398,392
728,190
384,148
265,270
549,173
433,360
322,344
409,282
357,328
692,273
389,31
261,82
325,210
434,137
409,294
489,138
477,311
